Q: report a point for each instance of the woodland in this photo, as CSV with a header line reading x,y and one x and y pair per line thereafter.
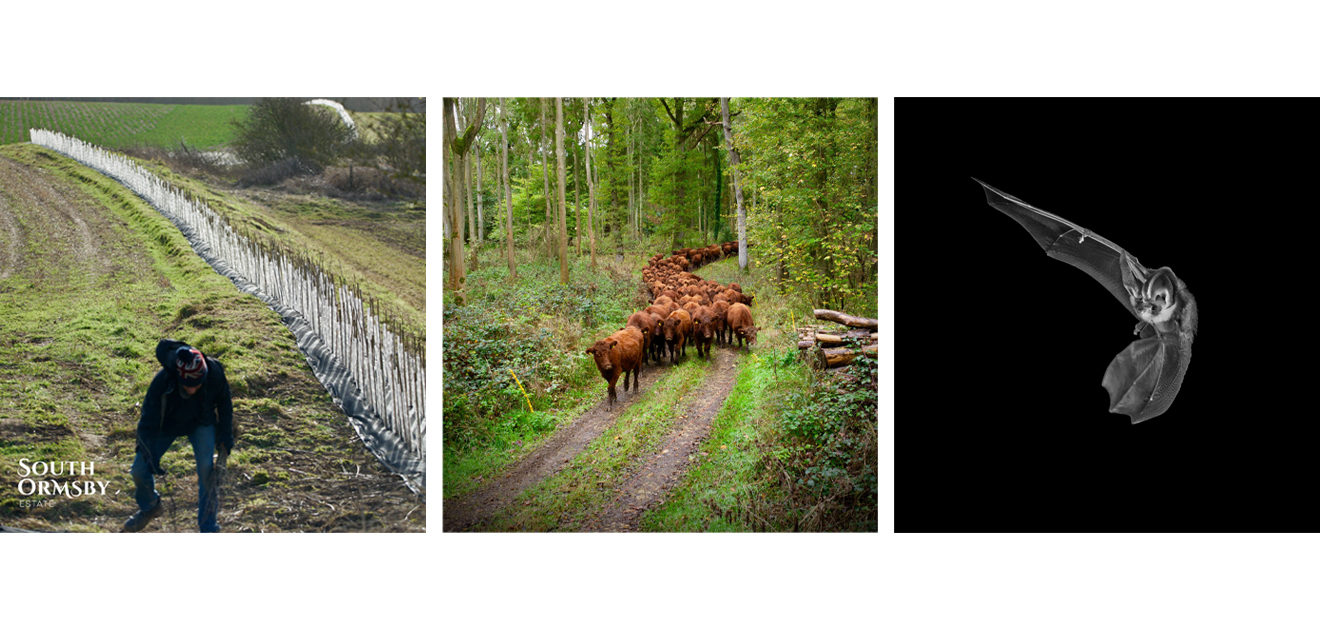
x,y
553,207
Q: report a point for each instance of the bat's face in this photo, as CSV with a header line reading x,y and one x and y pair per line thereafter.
x,y
1156,300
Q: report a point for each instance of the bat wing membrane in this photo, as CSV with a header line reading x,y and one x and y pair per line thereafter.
x,y
1066,241
1144,378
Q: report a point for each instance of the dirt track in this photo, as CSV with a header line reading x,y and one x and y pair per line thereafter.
x,y
469,511
665,468
649,483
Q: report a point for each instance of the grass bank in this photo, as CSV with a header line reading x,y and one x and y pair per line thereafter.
x,y
377,247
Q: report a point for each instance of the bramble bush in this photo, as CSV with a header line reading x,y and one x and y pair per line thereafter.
x,y
831,452
534,327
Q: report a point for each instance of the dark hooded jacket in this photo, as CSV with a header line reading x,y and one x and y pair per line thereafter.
x,y
167,412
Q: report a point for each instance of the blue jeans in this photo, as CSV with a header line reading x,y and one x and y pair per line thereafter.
x,y
144,483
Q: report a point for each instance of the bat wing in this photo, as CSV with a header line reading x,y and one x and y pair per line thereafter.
x,y
1143,379
1064,240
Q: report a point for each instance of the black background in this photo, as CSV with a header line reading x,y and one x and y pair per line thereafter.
x,y
1001,423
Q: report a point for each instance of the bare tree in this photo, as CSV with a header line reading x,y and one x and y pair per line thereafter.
x,y
737,186
563,212
545,178
508,196
591,184
458,145
577,201
481,219
467,206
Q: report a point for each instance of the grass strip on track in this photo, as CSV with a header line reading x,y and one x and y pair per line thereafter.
x,y
727,479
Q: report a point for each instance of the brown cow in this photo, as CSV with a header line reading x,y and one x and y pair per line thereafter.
x,y
619,353
677,328
703,329
657,348
663,299
721,309
644,322
740,321
660,310
735,297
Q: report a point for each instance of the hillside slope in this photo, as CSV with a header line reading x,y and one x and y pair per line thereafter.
x,y
91,278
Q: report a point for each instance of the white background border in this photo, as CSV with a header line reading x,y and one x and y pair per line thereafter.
x,y
946,48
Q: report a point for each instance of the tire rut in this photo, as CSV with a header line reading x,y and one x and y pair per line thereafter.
x,y
10,238
662,471
469,511
69,208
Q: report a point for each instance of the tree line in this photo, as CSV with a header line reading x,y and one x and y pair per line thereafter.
x,y
575,177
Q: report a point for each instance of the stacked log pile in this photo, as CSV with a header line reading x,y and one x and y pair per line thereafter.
x,y
834,347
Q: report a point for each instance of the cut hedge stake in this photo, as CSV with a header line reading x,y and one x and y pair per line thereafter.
x,y
524,392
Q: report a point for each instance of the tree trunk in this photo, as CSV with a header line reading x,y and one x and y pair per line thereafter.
x,y
719,195
457,147
577,201
852,321
563,214
468,187
454,171
632,200
545,178
611,171
481,219
508,196
737,185
591,184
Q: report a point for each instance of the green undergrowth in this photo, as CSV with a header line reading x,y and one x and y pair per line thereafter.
x,y
568,499
78,331
532,332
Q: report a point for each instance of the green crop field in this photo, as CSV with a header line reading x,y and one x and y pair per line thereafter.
x,y
122,125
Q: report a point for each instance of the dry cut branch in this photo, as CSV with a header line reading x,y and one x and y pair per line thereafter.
x,y
851,321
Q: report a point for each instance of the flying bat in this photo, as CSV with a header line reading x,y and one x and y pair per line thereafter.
x,y
1145,377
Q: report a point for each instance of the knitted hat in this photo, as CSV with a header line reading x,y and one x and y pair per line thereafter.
x,y
192,366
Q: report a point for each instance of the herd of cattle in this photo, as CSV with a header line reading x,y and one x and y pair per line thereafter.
x,y
685,310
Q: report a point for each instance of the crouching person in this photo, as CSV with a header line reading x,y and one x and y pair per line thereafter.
x,y
188,397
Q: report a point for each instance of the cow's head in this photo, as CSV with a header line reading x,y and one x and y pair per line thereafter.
x,y
601,351
749,333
